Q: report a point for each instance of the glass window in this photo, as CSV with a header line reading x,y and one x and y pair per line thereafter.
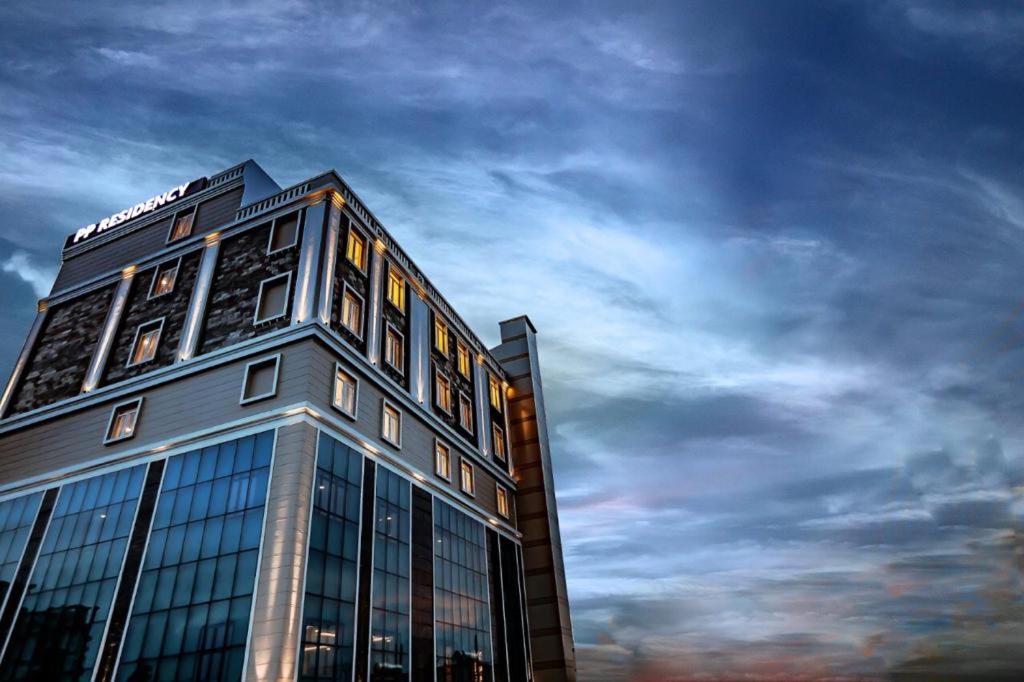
x,y
60,625
346,389
396,289
391,424
466,480
495,392
190,618
463,353
462,628
498,438
442,460
123,420
147,337
389,618
503,500
328,615
163,280
394,354
352,312
443,392
182,225
440,335
465,412
355,249
273,300
16,519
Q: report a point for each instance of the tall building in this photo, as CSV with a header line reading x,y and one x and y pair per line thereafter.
x,y
247,438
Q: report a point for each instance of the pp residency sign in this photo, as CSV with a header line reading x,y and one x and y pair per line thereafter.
x,y
169,197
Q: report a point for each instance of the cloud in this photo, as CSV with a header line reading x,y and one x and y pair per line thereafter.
x,y
39,277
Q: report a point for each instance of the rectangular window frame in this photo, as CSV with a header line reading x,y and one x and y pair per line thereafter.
x,y
462,351
156,275
466,412
384,405
401,286
438,378
108,438
353,228
440,325
463,462
494,391
339,368
193,209
392,329
159,322
498,490
287,297
273,228
242,400
498,436
438,443
345,290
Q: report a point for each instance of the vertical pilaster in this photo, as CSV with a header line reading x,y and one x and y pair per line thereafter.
x,y
197,302
330,260
23,358
273,648
304,303
99,356
376,265
483,410
419,347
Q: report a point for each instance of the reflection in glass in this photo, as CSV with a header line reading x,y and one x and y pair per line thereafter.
x,y
389,635
16,518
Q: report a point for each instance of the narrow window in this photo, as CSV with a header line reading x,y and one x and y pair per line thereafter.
x,y
495,393
182,225
498,436
352,312
465,412
355,249
443,392
466,481
440,335
163,279
123,420
502,500
273,299
260,379
396,290
284,234
391,424
463,354
442,460
147,338
346,391
393,349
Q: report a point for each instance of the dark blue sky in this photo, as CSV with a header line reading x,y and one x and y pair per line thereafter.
x,y
775,252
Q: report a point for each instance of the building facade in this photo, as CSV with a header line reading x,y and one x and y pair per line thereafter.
x,y
246,438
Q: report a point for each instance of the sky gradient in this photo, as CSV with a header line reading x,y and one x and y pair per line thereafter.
x,y
774,251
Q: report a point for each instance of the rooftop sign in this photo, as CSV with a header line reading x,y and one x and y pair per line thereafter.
x,y
169,197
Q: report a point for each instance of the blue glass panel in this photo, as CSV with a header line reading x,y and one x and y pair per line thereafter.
x,y
16,518
389,618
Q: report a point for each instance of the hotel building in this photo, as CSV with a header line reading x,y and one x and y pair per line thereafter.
x,y
247,438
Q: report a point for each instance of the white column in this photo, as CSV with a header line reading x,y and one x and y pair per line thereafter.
x,y
22,363
419,348
330,260
483,412
304,303
102,351
376,265
197,302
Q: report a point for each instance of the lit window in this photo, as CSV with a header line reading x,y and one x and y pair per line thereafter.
x,y
260,379
502,500
346,390
393,353
123,420
355,250
284,234
442,460
182,226
391,425
466,481
499,442
163,280
352,312
465,412
273,299
396,290
463,354
443,392
147,337
495,393
440,335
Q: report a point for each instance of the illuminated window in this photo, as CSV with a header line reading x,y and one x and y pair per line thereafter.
x,y
465,412
273,299
498,436
443,392
502,500
147,337
355,250
352,312
495,393
182,226
396,290
463,354
394,354
391,424
123,420
466,480
440,335
346,391
442,460
163,280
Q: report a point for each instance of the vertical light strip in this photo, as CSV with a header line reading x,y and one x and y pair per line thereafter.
x,y
303,307
376,265
419,346
22,363
483,411
197,302
99,357
330,261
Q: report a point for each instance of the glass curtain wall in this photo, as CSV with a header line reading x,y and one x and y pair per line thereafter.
x,y
389,635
